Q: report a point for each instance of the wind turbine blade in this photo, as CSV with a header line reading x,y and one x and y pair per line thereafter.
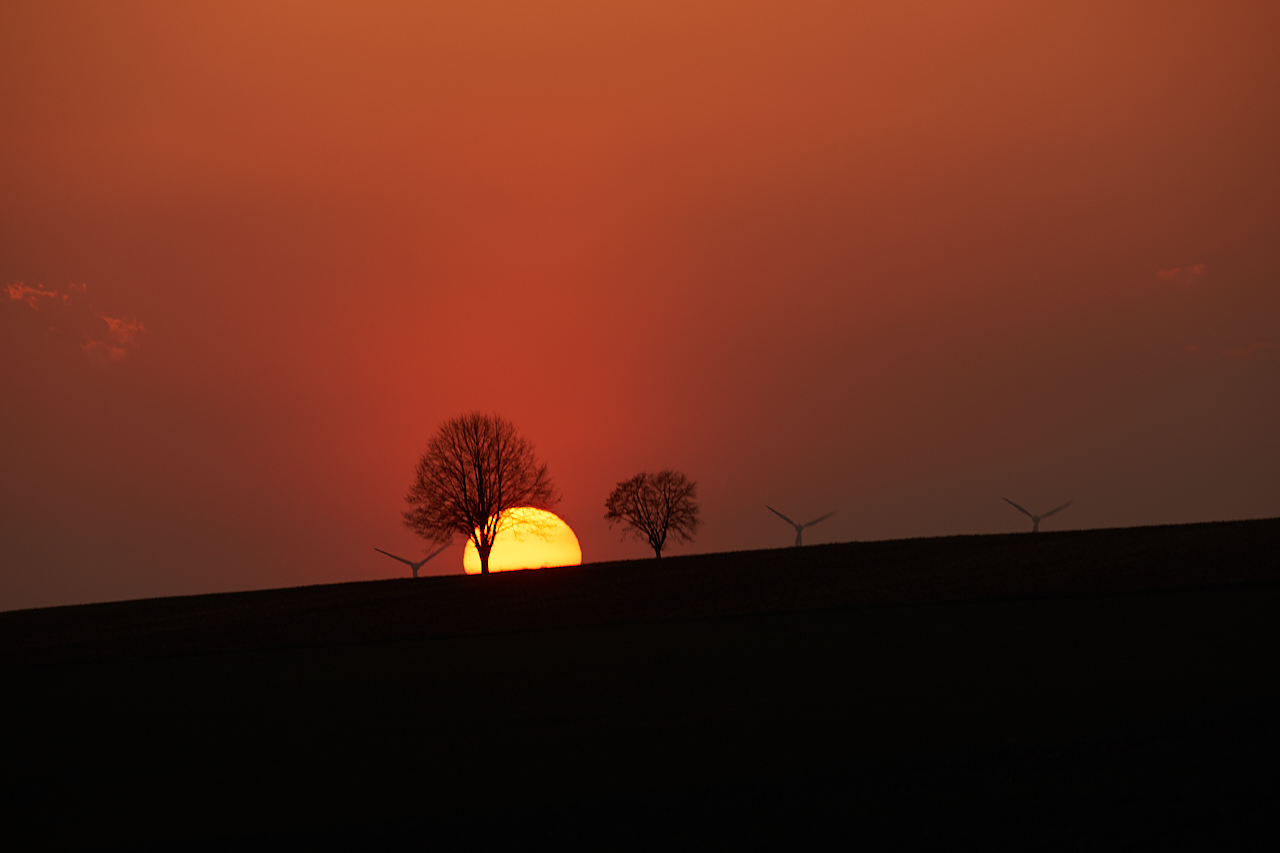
x,y
393,556
436,551
816,520
1052,511
1018,508
780,515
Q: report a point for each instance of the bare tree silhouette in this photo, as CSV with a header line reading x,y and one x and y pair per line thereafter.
x,y
1035,519
410,563
474,471
655,506
799,527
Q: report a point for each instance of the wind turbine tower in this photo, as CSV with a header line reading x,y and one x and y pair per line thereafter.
x,y
799,527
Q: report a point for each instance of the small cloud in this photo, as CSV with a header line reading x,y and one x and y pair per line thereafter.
x,y
102,349
1182,277
123,334
74,319
1254,350
124,331
31,295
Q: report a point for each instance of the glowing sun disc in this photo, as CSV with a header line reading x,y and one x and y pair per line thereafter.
x,y
541,541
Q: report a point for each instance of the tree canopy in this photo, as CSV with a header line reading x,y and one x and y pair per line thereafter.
x,y
655,506
475,469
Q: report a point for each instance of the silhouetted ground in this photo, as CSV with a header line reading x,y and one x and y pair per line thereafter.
x,y
1091,690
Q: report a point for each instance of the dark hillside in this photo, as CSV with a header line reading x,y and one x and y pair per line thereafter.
x,y
854,574
1094,690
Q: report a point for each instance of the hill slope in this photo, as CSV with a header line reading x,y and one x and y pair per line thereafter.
x,y
1097,689
855,574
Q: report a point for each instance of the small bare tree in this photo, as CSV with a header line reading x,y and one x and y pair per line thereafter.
x,y
473,472
654,506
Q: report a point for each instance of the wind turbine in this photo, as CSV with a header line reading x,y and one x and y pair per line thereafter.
x,y
799,527
410,563
1035,519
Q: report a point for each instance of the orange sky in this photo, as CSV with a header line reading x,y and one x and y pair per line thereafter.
x,y
895,259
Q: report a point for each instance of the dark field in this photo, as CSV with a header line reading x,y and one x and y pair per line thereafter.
x,y
1092,690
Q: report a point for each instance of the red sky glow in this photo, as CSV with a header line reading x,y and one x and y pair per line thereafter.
x,y
895,260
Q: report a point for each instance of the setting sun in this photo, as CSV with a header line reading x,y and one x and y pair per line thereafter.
x,y
534,539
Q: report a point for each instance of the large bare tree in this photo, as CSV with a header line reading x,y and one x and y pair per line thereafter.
x,y
655,506
474,471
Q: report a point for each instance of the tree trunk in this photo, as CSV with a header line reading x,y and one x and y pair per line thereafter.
x,y
484,558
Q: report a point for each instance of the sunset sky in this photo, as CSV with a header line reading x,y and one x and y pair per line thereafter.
x,y
892,259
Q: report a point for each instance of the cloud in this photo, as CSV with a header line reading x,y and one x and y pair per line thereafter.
x,y
1182,277
32,295
124,331
123,334
102,349
1254,350
78,320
